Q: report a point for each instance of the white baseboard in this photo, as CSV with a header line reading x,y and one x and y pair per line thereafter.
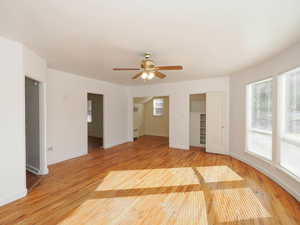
x,y
44,171
66,158
36,171
275,178
115,144
13,197
32,169
181,147
197,145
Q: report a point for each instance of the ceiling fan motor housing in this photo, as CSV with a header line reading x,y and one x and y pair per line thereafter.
x,y
147,55
148,65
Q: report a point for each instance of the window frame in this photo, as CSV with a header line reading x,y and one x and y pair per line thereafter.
x,y
154,108
277,122
281,119
249,119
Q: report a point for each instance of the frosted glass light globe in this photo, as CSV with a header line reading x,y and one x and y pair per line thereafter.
x,y
150,75
144,76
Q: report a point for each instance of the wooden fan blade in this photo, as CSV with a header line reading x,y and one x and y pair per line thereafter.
x,y
118,69
169,67
137,76
160,75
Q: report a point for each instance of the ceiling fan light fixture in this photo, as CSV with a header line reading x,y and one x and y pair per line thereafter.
x,y
144,75
148,70
150,75
147,75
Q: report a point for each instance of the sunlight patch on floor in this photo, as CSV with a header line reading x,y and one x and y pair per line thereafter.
x,y
149,178
237,204
218,174
184,208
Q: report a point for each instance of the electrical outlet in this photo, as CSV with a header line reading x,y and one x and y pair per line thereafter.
x,y
50,149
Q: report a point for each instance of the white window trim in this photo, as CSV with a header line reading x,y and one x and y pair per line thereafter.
x,y
255,130
259,131
162,114
278,123
281,135
281,101
287,172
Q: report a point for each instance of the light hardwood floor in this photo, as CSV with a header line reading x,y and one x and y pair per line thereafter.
x,y
147,183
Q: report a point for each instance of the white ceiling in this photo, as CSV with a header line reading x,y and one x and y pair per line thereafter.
x,y
208,37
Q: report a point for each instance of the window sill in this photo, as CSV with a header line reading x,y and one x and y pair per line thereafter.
x,y
276,166
269,161
282,169
260,131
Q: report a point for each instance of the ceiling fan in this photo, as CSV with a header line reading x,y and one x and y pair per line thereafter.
x,y
149,69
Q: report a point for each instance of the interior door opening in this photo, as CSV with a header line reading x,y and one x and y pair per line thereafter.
x,y
198,121
95,122
32,132
151,119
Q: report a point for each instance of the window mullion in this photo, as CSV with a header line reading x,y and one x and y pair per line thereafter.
x,y
276,102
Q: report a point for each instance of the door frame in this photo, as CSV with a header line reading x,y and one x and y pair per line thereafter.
x,y
226,118
103,120
43,170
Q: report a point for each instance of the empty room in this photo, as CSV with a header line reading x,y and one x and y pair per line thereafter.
x,y
150,112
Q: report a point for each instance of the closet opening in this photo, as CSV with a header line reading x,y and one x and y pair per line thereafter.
x,y
198,121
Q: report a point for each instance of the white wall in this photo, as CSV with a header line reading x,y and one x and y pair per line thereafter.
x,y
282,63
12,120
35,66
198,106
67,114
195,129
179,97
139,120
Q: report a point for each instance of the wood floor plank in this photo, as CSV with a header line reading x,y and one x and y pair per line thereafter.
x,y
145,182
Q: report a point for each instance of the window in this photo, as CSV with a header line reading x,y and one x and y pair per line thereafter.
x,y
290,127
89,110
158,107
259,118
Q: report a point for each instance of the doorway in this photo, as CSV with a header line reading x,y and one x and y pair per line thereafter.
x,y
151,119
95,122
207,122
32,132
198,121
